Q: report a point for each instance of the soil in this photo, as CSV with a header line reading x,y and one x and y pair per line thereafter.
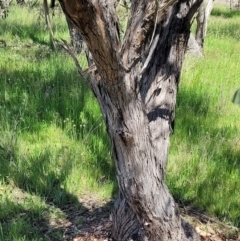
x,y
93,223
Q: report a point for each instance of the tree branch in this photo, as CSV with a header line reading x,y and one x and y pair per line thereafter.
x,y
195,5
142,20
145,15
98,24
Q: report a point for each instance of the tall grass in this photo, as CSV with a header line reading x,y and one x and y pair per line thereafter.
x,y
53,144
54,147
204,166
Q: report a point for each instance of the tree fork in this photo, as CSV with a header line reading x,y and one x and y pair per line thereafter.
x,y
138,105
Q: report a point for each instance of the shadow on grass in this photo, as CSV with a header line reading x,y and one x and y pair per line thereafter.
x,y
231,30
35,224
32,100
213,167
61,218
33,31
221,187
191,112
27,224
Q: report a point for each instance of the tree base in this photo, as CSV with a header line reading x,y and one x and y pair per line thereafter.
x,y
126,226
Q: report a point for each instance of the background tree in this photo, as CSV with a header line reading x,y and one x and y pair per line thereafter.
x,y
21,2
76,38
48,22
135,82
202,21
4,4
196,43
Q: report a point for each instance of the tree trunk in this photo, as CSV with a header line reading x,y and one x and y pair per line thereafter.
x,y
196,44
20,2
125,222
77,42
231,4
202,21
76,38
136,87
4,5
193,47
48,22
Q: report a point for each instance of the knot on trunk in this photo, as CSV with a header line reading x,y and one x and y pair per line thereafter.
x,y
125,136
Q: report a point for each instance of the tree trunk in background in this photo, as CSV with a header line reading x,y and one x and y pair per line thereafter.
x,y
77,42
76,38
136,84
48,22
20,2
196,44
202,21
231,4
4,5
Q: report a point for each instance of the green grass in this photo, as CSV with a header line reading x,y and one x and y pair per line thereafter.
x,y
53,143
204,165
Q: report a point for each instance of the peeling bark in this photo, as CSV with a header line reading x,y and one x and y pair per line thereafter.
x,y
136,87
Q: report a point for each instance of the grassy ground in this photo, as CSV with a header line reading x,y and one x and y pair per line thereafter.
x,y
206,144
53,144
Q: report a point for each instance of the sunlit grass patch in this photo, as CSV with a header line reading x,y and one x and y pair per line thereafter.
x,y
204,166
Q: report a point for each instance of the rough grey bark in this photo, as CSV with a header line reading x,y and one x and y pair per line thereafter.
x,y
76,38
136,82
4,5
77,42
125,222
202,21
196,43
20,2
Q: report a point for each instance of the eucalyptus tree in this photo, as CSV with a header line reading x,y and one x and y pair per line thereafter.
x,y
21,2
76,38
202,21
135,81
196,43
4,5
